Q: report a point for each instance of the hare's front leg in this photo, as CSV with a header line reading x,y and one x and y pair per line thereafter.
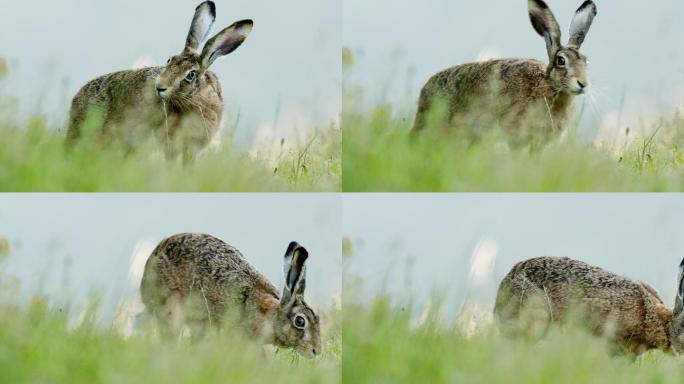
x,y
170,316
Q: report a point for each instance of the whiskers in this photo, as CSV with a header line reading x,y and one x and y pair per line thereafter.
x,y
185,99
596,95
166,125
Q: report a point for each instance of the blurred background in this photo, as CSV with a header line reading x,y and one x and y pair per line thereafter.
x,y
458,247
283,82
634,48
71,246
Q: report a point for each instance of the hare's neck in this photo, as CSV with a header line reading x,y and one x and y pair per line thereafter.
x,y
562,102
560,105
266,312
672,323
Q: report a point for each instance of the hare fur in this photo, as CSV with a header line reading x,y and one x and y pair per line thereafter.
x,y
193,277
181,103
515,91
630,312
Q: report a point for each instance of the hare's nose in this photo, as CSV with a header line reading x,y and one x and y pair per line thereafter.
x,y
161,90
581,84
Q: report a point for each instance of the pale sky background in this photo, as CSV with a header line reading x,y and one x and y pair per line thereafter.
x,y
85,242
428,240
289,65
634,48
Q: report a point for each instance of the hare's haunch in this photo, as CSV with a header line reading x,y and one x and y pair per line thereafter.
x,y
181,103
195,278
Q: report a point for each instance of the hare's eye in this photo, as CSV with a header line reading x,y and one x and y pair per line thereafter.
x,y
191,75
560,61
299,321
168,61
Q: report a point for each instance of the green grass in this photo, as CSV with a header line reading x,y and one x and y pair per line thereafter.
x,y
383,343
33,158
380,155
43,345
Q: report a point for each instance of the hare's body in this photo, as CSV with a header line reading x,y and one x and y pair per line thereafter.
x,y
213,273
130,109
181,103
196,278
528,97
516,90
545,290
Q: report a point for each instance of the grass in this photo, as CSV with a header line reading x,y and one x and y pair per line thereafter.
x,y
33,158
43,345
384,343
380,155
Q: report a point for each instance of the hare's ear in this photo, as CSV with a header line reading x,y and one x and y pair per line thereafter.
x,y
225,41
205,14
679,301
294,269
545,24
581,22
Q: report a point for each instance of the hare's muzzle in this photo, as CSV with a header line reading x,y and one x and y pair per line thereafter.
x,y
308,353
581,86
162,92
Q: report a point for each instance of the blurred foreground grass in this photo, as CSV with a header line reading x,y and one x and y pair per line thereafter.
x,y
33,158
40,345
384,343
380,155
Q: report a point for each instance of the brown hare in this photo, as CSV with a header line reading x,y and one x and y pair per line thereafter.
x,y
514,91
196,278
540,291
180,103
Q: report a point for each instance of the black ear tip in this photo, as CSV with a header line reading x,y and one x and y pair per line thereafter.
x,y
302,252
291,247
587,3
540,4
246,22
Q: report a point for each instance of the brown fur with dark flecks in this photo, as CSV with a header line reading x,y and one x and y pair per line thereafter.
x,y
193,277
547,290
515,92
130,109
181,103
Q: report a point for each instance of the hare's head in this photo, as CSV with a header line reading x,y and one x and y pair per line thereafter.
x,y
296,325
180,79
677,323
567,70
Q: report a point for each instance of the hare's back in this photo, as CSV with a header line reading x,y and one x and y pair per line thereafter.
x,y
476,76
117,84
559,275
202,250
213,259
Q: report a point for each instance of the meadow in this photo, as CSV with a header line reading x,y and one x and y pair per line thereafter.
x,y
380,154
33,158
386,342
41,341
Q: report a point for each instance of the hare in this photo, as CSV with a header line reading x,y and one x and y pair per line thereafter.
x,y
180,103
197,277
547,289
514,91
